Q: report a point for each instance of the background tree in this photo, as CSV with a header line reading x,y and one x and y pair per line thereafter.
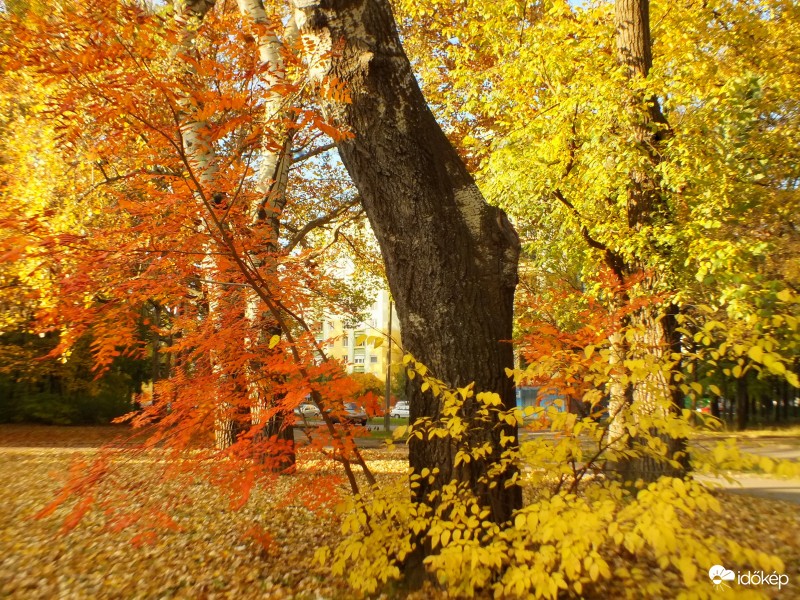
x,y
175,179
551,113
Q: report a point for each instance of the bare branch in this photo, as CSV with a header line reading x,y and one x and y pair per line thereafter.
x,y
612,259
320,221
314,152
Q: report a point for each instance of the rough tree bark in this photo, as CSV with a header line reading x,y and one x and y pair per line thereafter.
x,y
451,259
646,206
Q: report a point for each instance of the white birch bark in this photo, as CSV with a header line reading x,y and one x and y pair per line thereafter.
x,y
265,211
201,162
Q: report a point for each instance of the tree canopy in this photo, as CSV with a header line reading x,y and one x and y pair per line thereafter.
x,y
596,200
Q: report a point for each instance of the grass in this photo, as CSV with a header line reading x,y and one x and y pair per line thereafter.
x,y
392,421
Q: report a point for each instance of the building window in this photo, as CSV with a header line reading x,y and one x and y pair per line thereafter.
x,y
346,340
359,360
373,359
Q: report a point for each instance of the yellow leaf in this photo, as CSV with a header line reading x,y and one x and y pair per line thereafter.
x,y
589,350
688,570
445,537
756,353
775,366
274,341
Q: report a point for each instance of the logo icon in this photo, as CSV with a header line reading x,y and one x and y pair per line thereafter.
x,y
719,575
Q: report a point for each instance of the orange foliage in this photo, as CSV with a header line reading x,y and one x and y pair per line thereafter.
x,y
145,222
595,318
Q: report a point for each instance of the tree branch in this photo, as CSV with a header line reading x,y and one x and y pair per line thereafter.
x,y
314,152
612,259
319,222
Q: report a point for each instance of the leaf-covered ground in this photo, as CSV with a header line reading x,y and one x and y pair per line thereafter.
x,y
220,553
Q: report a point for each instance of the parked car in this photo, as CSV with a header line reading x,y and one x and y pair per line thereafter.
x,y
352,413
308,410
401,410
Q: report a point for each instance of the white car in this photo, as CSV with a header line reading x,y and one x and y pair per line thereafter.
x,y
308,410
400,410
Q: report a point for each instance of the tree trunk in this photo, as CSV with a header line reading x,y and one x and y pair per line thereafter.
x,y
775,401
742,404
714,404
200,160
656,395
785,399
645,206
451,259
264,217
155,339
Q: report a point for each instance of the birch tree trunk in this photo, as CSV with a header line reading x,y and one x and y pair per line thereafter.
x,y
264,223
200,160
451,259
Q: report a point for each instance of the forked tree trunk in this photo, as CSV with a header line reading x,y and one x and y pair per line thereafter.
x,y
451,259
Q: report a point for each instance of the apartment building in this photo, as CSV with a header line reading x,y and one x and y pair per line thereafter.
x,y
351,345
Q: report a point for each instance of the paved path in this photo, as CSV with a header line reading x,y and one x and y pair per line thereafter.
x,y
753,484
762,486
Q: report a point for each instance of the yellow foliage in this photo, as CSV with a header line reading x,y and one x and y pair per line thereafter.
x,y
576,528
